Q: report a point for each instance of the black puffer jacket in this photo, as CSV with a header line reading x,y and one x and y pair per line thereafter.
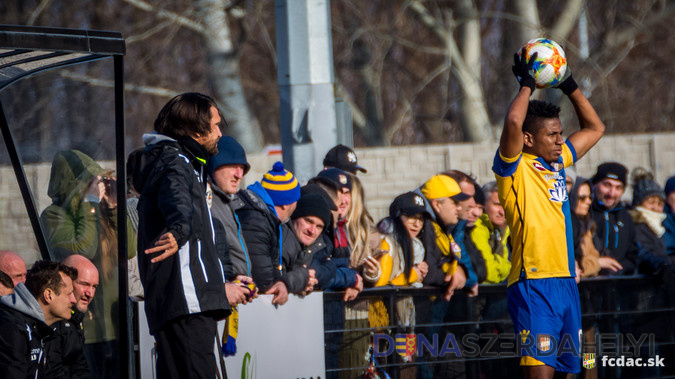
x,y
616,235
261,229
65,355
172,182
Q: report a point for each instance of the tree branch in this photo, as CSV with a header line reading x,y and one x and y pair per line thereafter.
x,y
155,91
161,13
36,13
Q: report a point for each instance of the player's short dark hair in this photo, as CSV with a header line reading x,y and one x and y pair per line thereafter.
x,y
6,280
46,274
537,111
186,114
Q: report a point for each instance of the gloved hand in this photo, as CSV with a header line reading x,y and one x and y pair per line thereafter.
x,y
567,84
521,69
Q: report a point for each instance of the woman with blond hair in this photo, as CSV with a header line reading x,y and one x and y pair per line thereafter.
x,y
364,241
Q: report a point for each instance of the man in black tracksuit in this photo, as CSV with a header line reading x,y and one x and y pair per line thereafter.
x,y
65,354
28,315
178,263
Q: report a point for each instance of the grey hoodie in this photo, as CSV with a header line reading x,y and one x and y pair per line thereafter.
x,y
23,335
23,301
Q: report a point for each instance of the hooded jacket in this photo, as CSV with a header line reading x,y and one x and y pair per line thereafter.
x,y
262,233
74,224
171,180
23,335
616,235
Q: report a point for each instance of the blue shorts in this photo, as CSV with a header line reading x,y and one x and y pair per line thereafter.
x,y
547,317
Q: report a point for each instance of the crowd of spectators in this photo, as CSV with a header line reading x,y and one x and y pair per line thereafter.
x,y
280,237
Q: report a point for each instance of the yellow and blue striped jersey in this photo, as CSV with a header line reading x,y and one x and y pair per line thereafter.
x,y
535,200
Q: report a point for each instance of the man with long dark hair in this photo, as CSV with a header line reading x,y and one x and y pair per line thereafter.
x,y
177,258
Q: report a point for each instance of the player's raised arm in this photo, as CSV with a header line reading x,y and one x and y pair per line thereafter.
x,y
592,127
511,142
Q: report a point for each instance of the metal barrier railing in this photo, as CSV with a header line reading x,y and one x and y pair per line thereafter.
x,y
629,316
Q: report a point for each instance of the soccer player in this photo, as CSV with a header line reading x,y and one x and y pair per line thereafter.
x,y
530,170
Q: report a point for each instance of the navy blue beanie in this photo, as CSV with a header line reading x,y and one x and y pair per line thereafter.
x,y
230,152
670,185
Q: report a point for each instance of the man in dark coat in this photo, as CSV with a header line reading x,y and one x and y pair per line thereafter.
x,y
26,317
267,205
178,263
65,354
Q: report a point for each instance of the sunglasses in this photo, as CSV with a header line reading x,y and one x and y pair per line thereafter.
x,y
584,197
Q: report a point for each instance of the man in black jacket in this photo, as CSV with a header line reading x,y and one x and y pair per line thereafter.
x,y
615,229
306,257
27,315
178,264
65,355
268,204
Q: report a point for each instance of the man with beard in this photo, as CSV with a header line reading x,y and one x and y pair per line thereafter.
x,y
177,259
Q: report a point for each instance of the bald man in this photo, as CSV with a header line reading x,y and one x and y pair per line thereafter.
x,y
65,353
13,265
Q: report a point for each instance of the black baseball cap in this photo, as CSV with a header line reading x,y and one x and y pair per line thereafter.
x,y
409,204
344,158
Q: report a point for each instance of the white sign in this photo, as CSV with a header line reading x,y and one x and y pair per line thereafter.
x,y
273,341
280,342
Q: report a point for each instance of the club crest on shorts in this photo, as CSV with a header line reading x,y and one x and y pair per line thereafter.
x,y
544,343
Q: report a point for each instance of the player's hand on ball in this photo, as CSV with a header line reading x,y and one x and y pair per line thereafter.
x,y
567,84
522,68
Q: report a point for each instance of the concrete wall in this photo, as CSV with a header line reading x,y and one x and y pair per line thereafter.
x,y
391,171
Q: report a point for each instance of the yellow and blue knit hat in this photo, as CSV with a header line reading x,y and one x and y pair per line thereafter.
x,y
281,185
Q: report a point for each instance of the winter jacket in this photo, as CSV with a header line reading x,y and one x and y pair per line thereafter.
x,y
442,260
669,237
445,243
23,335
463,259
171,180
320,256
262,233
393,263
616,235
584,235
65,355
653,258
296,272
223,209
477,260
492,243
74,224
